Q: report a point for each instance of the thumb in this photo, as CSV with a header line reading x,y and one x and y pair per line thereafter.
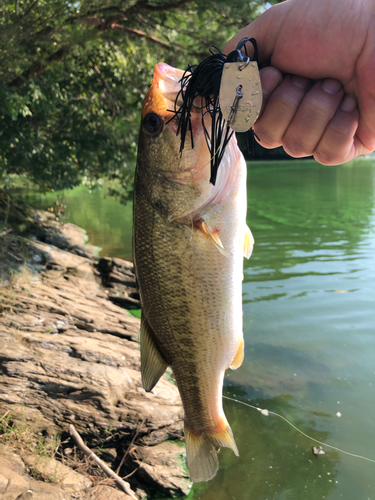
x,y
265,30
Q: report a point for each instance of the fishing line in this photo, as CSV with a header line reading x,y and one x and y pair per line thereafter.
x,y
269,412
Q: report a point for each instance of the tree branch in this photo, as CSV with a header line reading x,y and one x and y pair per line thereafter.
x,y
32,6
168,6
95,18
105,83
139,34
123,485
37,68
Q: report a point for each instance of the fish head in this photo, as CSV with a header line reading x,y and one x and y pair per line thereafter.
x,y
176,182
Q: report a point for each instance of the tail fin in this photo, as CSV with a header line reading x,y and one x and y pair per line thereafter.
x,y
201,452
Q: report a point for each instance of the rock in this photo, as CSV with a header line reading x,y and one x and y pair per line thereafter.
x,y
118,276
16,485
12,485
61,259
161,465
11,460
44,491
127,302
71,238
49,469
107,493
69,355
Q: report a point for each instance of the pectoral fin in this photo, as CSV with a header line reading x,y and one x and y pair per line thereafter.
x,y
153,364
248,242
238,358
215,238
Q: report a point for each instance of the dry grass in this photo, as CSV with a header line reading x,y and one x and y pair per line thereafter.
x,y
12,257
18,436
12,282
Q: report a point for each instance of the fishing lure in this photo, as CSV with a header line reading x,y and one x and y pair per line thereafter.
x,y
222,83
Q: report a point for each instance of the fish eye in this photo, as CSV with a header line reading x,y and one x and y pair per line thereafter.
x,y
153,124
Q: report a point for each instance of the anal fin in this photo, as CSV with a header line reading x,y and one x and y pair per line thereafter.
x,y
238,358
153,364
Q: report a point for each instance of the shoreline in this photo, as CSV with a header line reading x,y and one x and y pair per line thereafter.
x,y
70,355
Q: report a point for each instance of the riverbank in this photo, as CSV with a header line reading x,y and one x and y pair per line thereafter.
x,y
70,355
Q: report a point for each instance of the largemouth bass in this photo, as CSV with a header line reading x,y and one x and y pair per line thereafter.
x,y
189,239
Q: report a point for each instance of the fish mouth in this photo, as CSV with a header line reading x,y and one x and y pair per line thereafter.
x,y
167,80
162,95
165,94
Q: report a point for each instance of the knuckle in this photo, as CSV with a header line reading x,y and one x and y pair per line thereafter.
x,y
268,139
329,154
288,100
319,107
326,157
340,129
337,139
295,146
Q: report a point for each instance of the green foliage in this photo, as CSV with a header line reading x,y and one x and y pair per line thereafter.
x,y
76,120
73,77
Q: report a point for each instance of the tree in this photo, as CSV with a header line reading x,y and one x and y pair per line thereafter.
x,y
73,77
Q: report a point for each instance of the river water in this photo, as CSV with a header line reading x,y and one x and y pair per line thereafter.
x,y
309,327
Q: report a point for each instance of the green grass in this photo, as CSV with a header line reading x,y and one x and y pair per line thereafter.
x,y
135,312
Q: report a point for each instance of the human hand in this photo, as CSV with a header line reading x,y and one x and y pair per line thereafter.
x,y
313,113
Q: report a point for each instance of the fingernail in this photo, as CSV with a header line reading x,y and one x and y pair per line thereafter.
x,y
300,81
331,86
349,103
270,79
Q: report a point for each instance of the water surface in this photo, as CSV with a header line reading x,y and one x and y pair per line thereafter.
x,y
309,327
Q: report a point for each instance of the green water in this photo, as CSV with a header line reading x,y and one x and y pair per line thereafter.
x,y
309,326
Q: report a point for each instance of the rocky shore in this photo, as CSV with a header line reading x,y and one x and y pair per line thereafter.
x,y
69,355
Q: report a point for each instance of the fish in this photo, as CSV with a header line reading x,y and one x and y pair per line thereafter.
x,y
189,240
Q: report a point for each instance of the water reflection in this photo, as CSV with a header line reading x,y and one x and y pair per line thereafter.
x,y
107,222
275,462
323,213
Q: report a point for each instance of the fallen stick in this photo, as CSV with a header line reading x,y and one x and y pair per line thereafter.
x,y
123,485
15,257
